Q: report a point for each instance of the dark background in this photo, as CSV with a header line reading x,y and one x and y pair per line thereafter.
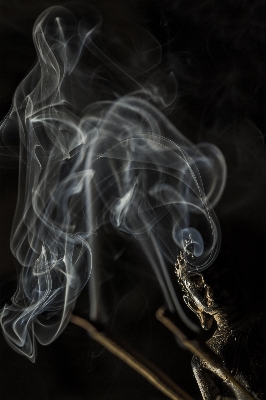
x,y
217,51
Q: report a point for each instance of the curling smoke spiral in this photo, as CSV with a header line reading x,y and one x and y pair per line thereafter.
x,y
91,153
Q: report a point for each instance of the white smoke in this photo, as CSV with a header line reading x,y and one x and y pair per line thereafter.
x,y
95,148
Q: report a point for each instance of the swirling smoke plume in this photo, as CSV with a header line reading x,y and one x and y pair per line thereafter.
x,y
96,147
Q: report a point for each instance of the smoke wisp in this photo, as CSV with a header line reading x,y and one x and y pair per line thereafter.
x,y
96,147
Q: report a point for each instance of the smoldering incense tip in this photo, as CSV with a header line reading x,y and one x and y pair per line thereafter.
x,y
150,372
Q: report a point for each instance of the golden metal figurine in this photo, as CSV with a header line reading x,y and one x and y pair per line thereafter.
x,y
239,340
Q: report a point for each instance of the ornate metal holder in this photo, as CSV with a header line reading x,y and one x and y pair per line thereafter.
x,y
239,370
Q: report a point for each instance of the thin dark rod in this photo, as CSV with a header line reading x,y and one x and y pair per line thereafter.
x,y
145,368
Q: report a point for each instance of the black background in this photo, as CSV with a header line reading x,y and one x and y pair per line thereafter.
x,y
217,52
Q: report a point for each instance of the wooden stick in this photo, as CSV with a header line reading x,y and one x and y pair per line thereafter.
x,y
150,372
209,357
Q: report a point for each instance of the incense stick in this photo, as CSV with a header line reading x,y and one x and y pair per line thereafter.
x,y
144,367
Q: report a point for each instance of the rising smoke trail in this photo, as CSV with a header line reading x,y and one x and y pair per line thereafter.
x,y
97,148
